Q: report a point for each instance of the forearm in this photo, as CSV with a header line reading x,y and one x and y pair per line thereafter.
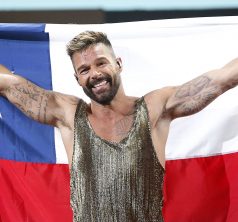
x,y
5,79
229,74
196,94
4,70
28,97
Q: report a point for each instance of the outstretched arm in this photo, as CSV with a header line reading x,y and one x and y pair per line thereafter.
x,y
196,94
39,104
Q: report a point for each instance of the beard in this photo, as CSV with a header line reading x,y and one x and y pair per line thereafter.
x,y
106,96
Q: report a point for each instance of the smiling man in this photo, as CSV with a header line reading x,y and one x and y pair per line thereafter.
x,y
101,87
116,143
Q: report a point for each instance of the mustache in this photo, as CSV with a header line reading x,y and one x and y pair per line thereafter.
x,y
92,82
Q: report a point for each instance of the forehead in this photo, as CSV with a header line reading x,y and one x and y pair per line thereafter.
x,y
93,52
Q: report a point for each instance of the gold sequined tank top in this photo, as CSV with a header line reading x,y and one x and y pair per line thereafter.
x,y
115,182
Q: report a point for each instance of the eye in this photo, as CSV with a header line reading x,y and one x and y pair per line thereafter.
x,y
101,63
84,71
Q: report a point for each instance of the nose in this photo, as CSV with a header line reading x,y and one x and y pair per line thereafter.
x,y
96,74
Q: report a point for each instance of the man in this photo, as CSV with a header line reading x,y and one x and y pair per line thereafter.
x,y
115,144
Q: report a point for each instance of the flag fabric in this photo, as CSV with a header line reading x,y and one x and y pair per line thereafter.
x,y
202,150
33,186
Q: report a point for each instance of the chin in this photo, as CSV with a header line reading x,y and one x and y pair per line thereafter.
x,y
103,101
102,98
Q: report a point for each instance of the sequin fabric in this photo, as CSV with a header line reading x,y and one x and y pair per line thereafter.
x,y
115,182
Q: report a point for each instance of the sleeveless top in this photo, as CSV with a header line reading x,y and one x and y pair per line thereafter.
x,y
115,181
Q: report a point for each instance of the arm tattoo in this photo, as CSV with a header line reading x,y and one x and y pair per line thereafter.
x,y
196,94
42,107
29,99
193,87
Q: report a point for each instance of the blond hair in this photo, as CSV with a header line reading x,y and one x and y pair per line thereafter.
x,y
86,39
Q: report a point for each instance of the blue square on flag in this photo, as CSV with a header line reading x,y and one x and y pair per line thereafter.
x,y
25,50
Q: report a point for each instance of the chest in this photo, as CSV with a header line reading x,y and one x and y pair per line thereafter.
x,y
112,129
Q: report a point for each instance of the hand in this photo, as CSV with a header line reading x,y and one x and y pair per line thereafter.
x,y
4,70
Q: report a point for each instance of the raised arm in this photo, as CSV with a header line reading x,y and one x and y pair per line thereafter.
x,y
196,94
39,104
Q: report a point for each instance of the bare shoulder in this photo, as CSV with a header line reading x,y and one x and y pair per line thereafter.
x,y
66,99
156,102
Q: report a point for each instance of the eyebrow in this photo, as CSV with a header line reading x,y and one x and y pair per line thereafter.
x,y
85,66
102,59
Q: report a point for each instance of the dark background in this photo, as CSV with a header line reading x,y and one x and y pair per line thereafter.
x,y
99,16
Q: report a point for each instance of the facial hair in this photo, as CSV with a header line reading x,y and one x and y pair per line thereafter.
x,y
106,97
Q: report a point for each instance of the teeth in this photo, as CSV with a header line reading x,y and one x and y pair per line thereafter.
x,y
100,84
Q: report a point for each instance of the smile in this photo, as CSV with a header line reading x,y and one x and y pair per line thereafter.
x,y
100,84
100,87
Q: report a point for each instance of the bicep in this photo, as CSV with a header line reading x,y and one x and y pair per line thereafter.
x,y
193,96
32,100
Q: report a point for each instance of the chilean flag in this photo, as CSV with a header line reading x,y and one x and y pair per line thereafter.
x,y
201,180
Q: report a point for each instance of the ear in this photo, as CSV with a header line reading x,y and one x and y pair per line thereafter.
x,y
119,63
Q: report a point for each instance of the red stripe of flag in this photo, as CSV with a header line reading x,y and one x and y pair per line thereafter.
x,y
34,192
202,189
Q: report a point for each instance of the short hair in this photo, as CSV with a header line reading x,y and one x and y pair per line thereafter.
x,y
86,39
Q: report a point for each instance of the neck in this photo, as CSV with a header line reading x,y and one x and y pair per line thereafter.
x,y
120,105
